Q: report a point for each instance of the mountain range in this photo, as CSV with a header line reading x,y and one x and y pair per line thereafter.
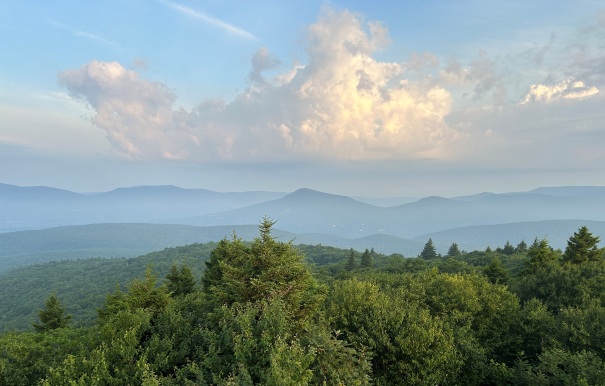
x,y
141,219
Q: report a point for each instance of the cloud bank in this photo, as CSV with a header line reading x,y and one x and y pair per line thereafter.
x,y
342,104
345,104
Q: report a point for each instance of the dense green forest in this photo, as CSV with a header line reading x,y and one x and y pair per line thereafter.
x,y
266,312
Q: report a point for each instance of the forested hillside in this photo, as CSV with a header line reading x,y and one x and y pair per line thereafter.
x,y
263,313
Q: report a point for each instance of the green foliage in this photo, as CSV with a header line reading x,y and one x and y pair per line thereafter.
x,y
521,247
351,263
52,316
453,251
25,358
537,329
470,301
496,272
180,282
428,252
561,368
583,327
508,249
582,247
261,325
540,255
264,270
82,285
262,317
409,346
366,259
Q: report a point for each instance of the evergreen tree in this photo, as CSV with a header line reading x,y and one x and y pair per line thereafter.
x,y
521,247
582,247
540,255
180,282
264,270
453,251
366,259
428,252
52,316
351,263
508,249
496,272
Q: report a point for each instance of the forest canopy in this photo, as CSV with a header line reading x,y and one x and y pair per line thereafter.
x,y
269,313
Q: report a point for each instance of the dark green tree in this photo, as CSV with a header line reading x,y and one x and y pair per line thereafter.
x,y
521,247
540,255
366,259
264,270
351,263
496,272
582,247
262,326
453,251
428,252
508,249
180,282
52,316
213,274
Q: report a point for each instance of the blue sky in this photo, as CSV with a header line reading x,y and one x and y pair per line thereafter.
x,y
348,97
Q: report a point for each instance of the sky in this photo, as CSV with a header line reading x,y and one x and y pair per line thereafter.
x,y
359,98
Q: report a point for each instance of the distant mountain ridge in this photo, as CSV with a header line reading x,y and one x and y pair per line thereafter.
x,y
129,240
304,211
23,208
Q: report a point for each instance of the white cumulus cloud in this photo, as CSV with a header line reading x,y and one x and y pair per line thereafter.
x,y
343,103
136,114
566,89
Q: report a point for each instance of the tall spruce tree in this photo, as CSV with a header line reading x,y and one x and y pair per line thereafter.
x,y
366,259
582,247
428,252
508,249
453,251
180,282
496,272
351,263
521,247
540,255
52,316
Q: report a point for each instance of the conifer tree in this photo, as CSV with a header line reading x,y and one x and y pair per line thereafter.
x,y
366,259
180,282
521,247
582,247
265,269
52,316
508,249
428,252
540,255
496,272
453,251
351,263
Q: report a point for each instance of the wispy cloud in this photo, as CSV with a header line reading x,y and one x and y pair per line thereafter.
x,y
209,19
80,33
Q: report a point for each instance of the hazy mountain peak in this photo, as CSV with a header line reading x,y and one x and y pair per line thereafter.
x,y
569,190
310,193
433,199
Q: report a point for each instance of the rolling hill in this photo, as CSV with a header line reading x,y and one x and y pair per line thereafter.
x,y
129,240
24,208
